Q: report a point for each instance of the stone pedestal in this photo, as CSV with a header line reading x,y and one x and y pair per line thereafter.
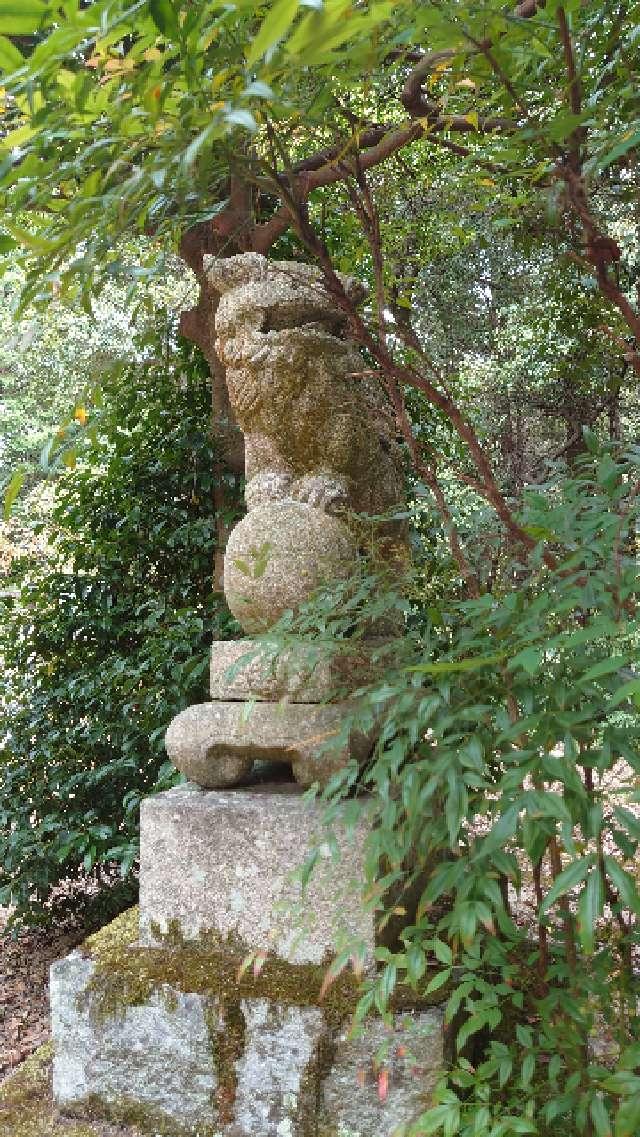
x,y
223,865
160,1021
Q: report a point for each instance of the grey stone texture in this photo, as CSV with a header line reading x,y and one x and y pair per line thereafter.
x,y
215,744
294,1075
277,1075
317,427
321,457
411,1055
158,1057
301,673
222,862
278,555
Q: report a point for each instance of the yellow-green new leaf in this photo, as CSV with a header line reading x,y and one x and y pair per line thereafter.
x,y
10,57
21,17
12,491
274,26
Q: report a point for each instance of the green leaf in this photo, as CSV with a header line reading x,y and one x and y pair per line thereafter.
x,y
628,1118
567,879
500,833
600,1117
21,17
528,1069
589,909
471,1026
624,884
12,491
10,57
529,660
439,980
163,14
272,29
605,667
628,690
7,243
472,664
631,140
442,952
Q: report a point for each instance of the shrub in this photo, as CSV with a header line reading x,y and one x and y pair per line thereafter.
x,y
505,786
109,638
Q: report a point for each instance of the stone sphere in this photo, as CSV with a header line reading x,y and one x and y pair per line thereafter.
x,y
278,555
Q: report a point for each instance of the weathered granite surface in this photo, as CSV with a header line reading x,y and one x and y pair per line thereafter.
x,y
322,458
411,1054
166,1063
301,673
317,426
278,555
278,1073
156,1058
215,744
223,863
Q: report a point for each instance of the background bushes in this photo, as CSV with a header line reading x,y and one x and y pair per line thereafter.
x,y
108,638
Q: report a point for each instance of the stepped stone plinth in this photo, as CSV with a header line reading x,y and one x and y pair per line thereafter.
x,y
203,1014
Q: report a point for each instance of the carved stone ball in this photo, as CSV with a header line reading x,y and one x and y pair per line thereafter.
x,y
278,555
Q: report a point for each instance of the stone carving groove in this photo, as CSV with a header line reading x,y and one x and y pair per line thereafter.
x,y
320,455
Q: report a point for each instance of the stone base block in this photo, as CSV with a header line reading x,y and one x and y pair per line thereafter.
x,y
216,744
197,1057
302,673
151,1063
222,864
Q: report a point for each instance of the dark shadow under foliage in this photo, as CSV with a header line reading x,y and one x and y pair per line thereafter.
x,y
109,638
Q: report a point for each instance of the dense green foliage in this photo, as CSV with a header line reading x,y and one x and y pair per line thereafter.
x,y
504,784
107,639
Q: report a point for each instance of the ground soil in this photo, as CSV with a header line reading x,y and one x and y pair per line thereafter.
x,y
26,956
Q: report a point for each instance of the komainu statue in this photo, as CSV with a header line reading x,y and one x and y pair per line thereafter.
x,y
316,426
321,456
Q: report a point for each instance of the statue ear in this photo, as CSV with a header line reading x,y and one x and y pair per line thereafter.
x,y
225,273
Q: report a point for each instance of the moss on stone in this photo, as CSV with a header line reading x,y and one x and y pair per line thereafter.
x,y
227,1033
26,1108
127,974
145,1120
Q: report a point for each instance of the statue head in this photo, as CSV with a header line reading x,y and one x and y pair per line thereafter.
x,y
284,294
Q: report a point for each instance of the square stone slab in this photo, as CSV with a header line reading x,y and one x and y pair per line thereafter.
x,y
222,862
302,673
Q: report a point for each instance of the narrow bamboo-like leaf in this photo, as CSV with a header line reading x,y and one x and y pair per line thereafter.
x,y
277,21
442,667
21,17
163,14
12,491
589,909
628,690
439,980
574,874
632,140
604,667
600,1117
10,57
624,884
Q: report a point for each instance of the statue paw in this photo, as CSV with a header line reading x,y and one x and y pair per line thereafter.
x,y
326,493
266,487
